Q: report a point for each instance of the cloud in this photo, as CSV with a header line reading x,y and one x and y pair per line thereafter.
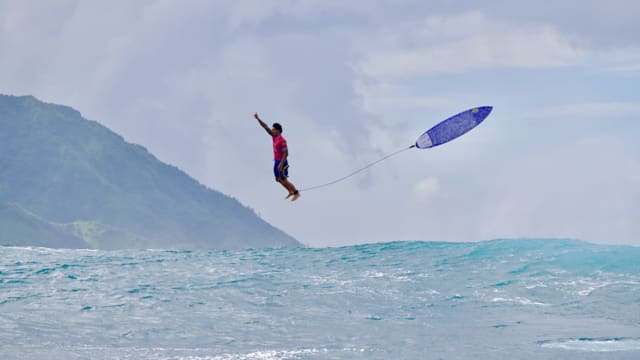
x,y
596,110
627,68
567,191
379,96
426,188
459,43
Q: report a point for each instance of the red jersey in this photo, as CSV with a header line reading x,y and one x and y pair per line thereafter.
x,y
279,146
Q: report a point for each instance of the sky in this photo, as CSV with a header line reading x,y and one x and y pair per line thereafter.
x,y
351,81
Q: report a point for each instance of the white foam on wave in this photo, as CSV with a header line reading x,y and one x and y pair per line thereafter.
x,y
270,354
260,355
519,300
536,285
585,287
161,353
596,345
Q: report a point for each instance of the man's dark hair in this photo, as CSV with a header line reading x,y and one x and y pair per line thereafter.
x,y
277,127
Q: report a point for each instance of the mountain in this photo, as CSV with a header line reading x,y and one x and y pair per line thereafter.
x,y
69,182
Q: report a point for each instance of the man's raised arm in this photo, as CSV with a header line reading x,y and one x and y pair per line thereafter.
x,y
262,123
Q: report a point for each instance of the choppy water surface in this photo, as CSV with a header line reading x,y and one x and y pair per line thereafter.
x,y
505,299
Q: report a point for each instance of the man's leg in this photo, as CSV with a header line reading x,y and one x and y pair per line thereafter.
x,y
290,187
286,184
292,190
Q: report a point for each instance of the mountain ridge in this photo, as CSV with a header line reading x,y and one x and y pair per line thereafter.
x,y
78,176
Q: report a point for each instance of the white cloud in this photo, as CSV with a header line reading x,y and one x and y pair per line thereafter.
x,y
623,61
427,188
627,68
458,43
569,191
590,110
380,96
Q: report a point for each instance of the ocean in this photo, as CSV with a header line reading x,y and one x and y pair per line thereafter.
x,y
501,299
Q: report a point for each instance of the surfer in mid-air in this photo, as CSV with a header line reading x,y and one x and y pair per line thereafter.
x,y
280,155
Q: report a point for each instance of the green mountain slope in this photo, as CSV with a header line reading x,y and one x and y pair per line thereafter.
x,y
17,224
69,182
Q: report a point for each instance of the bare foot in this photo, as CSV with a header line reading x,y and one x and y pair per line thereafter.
x,y
295,196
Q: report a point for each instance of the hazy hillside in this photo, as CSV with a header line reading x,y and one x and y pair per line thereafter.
x,y
69,182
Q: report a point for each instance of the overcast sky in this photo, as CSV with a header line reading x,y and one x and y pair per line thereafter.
x,y
351,81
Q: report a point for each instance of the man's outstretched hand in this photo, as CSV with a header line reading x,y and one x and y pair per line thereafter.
x,y
265,126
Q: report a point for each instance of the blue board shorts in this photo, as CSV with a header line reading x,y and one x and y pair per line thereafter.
x,y
281,174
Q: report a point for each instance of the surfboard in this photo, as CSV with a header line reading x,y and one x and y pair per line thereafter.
x,y
453,127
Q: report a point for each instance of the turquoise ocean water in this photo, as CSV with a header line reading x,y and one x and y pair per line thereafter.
x,y
503,299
